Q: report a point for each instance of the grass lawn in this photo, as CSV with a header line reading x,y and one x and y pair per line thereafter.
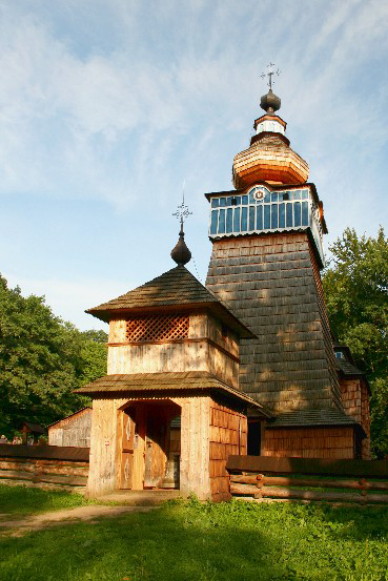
x,y
21,501
189,541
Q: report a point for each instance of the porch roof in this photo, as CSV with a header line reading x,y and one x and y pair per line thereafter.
x,y
169,381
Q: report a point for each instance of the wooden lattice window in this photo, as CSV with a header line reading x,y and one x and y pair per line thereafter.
x,y
157,328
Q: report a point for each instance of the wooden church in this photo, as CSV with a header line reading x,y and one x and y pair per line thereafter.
x,y
243,365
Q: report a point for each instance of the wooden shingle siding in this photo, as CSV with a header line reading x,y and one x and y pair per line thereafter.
x,y
271,282
355,399
227,436
325,442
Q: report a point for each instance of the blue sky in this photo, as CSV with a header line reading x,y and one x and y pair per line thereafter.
x,y
108,106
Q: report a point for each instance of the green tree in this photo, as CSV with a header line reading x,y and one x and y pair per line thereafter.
x,y
42,360
356,289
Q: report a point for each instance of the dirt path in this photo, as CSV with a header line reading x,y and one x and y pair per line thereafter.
x,y
17,528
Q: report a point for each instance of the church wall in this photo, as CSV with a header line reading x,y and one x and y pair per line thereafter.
x,y
105,452
323,442
208,347
223,366
270,282
194,469
103,447
228,435
210,432
355,399
200,355
223,337
329,352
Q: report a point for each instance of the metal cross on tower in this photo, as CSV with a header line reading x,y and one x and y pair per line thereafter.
x,y
270,73
182,212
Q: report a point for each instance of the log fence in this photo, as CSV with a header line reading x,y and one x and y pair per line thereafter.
x,y
261,478
52,467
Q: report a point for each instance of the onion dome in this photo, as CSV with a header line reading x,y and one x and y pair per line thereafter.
x,y
270,102
269,157
180,253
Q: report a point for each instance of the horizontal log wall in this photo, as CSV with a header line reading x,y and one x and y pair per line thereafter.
x,y
228,435
44,473
325,442
296,479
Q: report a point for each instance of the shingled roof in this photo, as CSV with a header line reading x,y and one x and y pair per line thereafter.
x,y
175,289
322,417
150,383
347,368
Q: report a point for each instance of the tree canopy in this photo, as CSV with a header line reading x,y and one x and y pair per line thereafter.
x,y
356,289
42,360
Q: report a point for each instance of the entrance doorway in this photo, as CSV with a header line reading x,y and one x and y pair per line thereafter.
x,y
254,437
150,445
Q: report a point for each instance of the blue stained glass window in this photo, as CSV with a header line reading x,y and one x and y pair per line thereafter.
x,y
229,201
267,223
244,199
214,221
244,225
215,202
252,217
274,216
229,219
274,197
222,202
289,220
282,215
267,198
297,214
259,218
297,194
221,226
305,214
238,200
236,220
305,194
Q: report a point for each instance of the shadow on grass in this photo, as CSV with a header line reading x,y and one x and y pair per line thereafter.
x,y
22,500
192,541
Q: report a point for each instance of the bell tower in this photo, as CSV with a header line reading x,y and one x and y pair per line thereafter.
x,y
265,266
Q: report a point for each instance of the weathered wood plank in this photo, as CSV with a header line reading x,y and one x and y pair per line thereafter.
x,y
320,483
319,466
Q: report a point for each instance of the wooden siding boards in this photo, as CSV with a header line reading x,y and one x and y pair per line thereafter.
x,y
271,282
74,430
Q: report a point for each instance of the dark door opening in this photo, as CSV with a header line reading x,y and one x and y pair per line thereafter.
x,y
254,437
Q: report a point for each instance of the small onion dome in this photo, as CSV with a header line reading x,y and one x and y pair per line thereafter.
x,y
270,102
180,253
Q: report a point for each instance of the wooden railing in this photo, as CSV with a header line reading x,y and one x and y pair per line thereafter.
x,y
302,479
44,466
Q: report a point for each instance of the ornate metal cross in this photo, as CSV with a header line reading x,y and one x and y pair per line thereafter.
x,y
182,212
270,73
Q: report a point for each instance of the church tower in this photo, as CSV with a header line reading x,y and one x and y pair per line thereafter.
x,y
265,266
